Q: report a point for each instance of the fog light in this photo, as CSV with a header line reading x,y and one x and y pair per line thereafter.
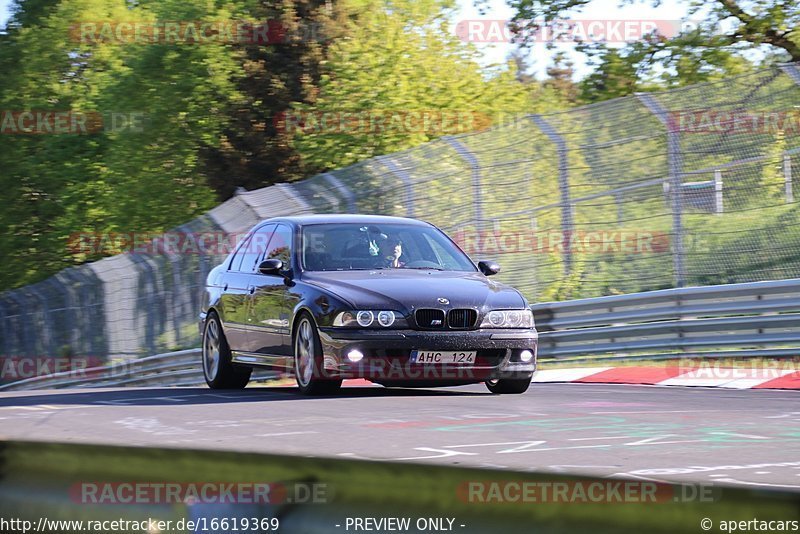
x,y
355,356
525,356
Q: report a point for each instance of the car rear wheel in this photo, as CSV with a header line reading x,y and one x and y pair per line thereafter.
x,y
509,385
218,369
308,363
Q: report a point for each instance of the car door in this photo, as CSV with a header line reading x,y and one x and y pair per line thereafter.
x,y
237,287
268,309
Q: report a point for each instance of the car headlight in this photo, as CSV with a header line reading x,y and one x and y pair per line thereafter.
x,y
508,319
386,318
364,318
369,318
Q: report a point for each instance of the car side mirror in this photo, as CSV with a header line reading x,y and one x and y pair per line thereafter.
x,y
488,267
273,266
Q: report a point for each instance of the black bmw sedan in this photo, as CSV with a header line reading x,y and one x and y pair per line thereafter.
x,y
388,299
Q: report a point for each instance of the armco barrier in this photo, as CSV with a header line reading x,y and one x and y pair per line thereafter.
x,y
181,368
756,319
42,482
173,368
735,320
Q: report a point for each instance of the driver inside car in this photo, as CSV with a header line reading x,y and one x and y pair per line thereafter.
x,y
394,250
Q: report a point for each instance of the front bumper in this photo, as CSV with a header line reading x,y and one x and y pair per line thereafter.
x,y
387,354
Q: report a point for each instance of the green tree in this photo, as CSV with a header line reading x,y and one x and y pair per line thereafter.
x,y
763,22
253,150
208,112
559,78
709,51
134,179
614,76
400,57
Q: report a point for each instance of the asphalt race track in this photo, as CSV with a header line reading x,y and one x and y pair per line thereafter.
x,y
742,437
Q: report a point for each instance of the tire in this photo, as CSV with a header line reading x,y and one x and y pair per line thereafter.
x,y
218,369
509,385
308,363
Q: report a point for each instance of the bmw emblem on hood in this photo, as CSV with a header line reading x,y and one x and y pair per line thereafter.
x,y
443,300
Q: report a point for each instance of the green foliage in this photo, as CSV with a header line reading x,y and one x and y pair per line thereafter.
x,y
717,47
398,58
207,113
725,25
140,178
567,288
253,151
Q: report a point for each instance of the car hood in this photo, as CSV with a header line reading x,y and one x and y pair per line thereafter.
x,y
406,290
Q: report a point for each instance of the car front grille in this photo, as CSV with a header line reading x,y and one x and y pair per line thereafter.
x,y
462,318
429,318
459,319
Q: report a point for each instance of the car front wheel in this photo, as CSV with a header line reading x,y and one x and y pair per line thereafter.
x,y
509,385
218,369
308,364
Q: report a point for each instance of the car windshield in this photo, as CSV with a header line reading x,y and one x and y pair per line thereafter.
x,y
351,246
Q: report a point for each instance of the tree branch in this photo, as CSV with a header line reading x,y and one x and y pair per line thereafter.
x,y
769,35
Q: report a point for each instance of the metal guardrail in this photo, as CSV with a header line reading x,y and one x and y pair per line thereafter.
x,y
736,320
756,319
180,368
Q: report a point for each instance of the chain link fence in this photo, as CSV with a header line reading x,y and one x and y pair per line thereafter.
x,y
692,186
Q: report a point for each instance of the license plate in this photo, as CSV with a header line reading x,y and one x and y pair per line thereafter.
x,y
443,356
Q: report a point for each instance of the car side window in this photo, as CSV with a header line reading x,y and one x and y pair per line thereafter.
x,y
236,260
280,247
255,247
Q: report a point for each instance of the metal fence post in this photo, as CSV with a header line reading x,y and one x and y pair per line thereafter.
x,y
718,206
567,209
675,164
24,342
477,191
792,70
401,173
346,192
5,338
